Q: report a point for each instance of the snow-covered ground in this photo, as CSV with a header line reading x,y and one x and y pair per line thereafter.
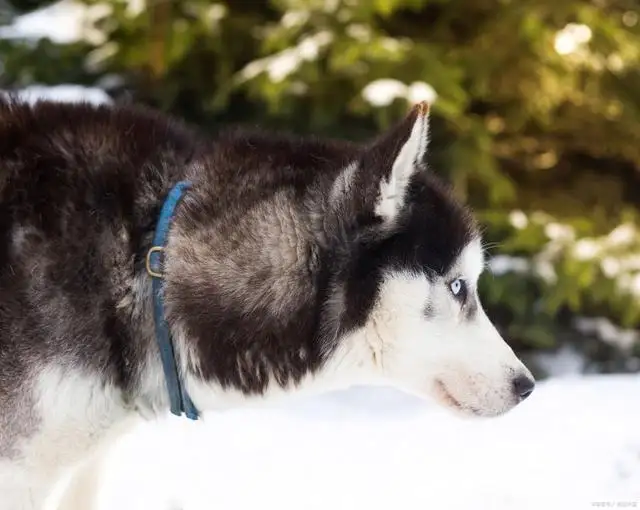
x,y
575,444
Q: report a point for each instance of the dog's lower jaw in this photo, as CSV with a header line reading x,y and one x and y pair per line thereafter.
x,y
446,399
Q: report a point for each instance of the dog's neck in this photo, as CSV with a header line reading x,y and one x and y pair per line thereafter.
x,y
349,365
148,389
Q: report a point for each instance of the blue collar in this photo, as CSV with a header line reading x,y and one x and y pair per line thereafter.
x,y
178,398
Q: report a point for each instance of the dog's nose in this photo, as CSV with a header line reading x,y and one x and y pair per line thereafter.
x,y
523,386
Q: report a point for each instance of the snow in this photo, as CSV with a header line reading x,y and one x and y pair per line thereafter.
x,y
63,22
280,65
575,444
518,219
608,332
559,232
571,38
65,93
503,264
622,235
421,91
567,360
384,91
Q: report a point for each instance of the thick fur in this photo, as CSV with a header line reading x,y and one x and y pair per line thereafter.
x,y
291,264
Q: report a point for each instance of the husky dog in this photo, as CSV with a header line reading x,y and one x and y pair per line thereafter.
x,y
291,264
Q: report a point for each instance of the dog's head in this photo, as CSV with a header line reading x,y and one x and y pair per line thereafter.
x,y
295,259
407,257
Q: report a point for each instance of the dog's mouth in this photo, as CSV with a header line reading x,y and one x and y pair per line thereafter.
x,y
446,396
450,401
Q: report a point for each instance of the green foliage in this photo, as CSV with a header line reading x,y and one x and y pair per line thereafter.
x,y
535,121
549,271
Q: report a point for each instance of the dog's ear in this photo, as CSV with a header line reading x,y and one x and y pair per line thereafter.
x,y
394,158
374,188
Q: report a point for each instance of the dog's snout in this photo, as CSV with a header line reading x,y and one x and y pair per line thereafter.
x,y
523,386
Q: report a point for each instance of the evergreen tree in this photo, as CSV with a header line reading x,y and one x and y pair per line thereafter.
x,y
535,117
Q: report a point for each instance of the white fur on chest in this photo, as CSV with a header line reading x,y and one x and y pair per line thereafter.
x,y
74,411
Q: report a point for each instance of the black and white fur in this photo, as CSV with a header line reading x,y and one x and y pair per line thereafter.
x,y
293,264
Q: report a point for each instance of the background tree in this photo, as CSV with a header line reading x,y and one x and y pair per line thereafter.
x,y
535,119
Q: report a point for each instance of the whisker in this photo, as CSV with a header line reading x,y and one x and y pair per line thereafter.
x,y
490,246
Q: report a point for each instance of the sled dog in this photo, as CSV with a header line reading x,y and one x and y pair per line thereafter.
x,y
145,267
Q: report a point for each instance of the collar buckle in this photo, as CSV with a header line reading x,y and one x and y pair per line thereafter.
x,y
149,264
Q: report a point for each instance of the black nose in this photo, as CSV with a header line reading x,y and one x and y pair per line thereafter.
x,y
523,386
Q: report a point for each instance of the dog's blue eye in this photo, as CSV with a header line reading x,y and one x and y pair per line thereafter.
x,y
458,288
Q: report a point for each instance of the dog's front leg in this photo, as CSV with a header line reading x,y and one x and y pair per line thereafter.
x,y
22,488
74,414
27,482
82,488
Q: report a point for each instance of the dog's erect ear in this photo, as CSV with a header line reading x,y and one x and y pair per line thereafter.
x,y
375,186
398,154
